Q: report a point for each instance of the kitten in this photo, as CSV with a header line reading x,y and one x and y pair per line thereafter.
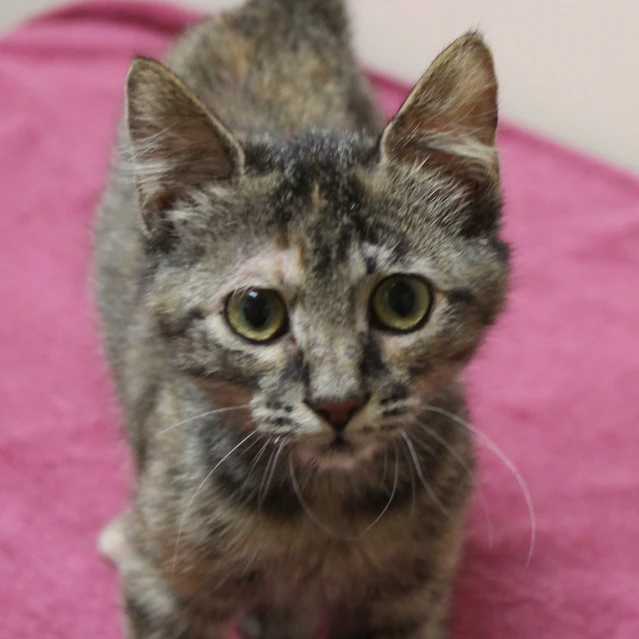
x,y
289,292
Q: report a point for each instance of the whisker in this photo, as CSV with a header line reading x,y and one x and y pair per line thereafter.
x,y
201,416
260,493
390,500
385,465
186,512
306,507
327,529
238,492
465,466
309,476
491,445
412,482
254,464
422,479
264,474
270,474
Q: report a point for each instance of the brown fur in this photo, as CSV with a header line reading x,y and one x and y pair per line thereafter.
x,y
259,160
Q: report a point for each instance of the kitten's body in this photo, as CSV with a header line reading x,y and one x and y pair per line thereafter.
x,y
248,509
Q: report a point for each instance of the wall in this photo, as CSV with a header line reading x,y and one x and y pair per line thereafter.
x,y
568,68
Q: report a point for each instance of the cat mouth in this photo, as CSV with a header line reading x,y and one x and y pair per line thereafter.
x,y
340,453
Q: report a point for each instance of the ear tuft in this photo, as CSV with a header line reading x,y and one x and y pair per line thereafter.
x,y
176,144
451,114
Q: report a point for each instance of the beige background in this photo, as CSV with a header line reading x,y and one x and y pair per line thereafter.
x,y
568,68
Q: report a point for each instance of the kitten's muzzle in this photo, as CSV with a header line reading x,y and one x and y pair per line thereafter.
x,y
338,412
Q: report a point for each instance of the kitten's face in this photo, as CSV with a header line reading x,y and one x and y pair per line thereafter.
x,y
335,310
331,282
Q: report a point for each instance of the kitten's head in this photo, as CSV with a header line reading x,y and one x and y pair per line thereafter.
x,y
333,282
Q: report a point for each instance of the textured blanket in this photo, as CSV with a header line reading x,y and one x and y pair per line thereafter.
x,y
556,386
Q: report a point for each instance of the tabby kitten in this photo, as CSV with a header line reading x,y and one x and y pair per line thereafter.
x,y
289,292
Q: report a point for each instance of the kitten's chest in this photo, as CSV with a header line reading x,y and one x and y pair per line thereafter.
x,y
302,555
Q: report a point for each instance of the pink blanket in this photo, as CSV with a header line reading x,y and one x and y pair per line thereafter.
x,y
556,386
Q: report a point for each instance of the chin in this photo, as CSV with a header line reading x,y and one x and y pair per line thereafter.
x,y
338,455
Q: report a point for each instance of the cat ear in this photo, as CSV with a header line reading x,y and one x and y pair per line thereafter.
x,y
176,144
451,114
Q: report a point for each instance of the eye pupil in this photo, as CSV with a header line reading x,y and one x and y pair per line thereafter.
x,y
401,298
401,303
257,309
257,314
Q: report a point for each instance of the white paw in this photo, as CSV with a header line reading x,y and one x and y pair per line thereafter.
x,y
112,540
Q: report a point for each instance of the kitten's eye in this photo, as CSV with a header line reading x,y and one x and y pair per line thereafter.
x,y
257,314
401,303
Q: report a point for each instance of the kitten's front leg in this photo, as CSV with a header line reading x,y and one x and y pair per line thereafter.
x,y
421,614
146,618
152,610
300,621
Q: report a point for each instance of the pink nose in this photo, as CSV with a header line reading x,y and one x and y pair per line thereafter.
x,y
337,413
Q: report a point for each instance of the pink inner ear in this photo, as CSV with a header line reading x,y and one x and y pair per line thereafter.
x,y
176,143
453,105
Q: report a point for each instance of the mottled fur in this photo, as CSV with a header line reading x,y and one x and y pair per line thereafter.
x,y
266,165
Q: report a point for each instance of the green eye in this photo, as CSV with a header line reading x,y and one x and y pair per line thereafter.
x,y
257,314
401,303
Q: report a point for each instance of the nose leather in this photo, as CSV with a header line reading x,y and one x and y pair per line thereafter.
x,y
337,413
